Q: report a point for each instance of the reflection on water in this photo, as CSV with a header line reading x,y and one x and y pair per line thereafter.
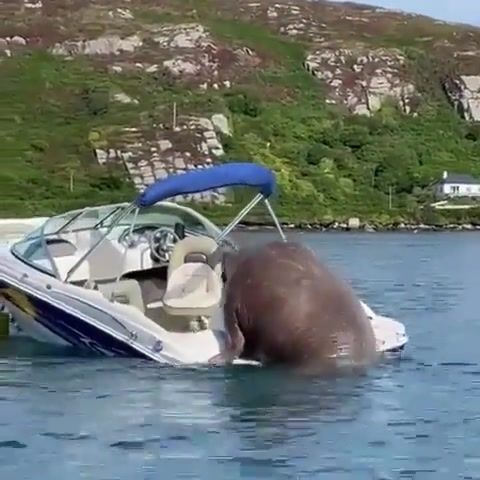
x,y
417,418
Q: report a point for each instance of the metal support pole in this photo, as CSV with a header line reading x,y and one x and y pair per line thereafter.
x,y
43,242
275,219
239,217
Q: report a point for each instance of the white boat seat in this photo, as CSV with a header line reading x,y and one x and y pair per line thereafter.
x,y
194,288
64,264
105,261
125,291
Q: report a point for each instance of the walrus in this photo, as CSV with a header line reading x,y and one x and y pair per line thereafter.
x,y
283,306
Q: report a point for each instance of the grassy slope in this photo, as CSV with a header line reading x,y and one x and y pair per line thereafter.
x,y
329,165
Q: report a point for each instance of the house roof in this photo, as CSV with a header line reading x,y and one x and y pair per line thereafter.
x,y
460,178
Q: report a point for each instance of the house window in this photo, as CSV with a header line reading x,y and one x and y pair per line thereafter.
x,y
454,189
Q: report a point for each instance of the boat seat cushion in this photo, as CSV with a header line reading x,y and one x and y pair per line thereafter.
x,y
193,250
125,291
193,289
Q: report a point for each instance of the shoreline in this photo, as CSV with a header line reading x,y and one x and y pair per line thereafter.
x,y
342,227
19,226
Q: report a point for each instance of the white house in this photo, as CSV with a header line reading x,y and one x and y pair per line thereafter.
x,y
458,185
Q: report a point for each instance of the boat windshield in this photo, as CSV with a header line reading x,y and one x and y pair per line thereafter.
x,y
75,220
63,230
165,215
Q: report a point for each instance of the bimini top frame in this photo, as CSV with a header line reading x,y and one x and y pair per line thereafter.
x,y
219,176
201,180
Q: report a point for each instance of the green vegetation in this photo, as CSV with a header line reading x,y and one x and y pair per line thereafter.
x,y
49,108
329,165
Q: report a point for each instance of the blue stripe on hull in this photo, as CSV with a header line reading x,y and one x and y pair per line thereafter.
x,y
70,328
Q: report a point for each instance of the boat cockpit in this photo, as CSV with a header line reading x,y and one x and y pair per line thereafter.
x,y
129,255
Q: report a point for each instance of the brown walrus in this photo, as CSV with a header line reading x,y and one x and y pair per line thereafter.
x,y
282,306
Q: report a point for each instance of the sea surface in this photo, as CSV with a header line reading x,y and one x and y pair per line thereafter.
x,y
65,417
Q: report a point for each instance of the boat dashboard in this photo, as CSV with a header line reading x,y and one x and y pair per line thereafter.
x,y
144,233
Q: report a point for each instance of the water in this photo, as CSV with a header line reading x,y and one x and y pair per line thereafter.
x,y
418,418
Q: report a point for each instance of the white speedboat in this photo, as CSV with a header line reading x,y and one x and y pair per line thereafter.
x,y
138,279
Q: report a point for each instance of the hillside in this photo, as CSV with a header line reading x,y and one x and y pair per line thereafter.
x,y
353,106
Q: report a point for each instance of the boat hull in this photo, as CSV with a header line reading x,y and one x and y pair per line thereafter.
x,y
48,323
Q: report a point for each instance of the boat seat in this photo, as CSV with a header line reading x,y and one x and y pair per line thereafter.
x,y
64,264
194,287
125,291
105,261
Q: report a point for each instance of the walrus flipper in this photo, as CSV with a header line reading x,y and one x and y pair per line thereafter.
x,y
234,343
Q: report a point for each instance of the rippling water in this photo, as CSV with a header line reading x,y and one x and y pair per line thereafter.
x,y
64,417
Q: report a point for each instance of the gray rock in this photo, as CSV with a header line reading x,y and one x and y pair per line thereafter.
x,y
220,123
165,145
464,93
182,36
353,223
210,135
179,163
122,97
33,5
161,173
124,13
213,143
272,12
17,40
372,86
101,156
180,66
217,151
362,109
205,123
106,45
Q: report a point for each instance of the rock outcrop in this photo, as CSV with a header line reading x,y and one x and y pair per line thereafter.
x,y
464,94
193,53
186,51
363,79
9,44
155,154
106,45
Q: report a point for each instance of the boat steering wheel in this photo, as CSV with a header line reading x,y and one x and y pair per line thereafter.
x,y
161,241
